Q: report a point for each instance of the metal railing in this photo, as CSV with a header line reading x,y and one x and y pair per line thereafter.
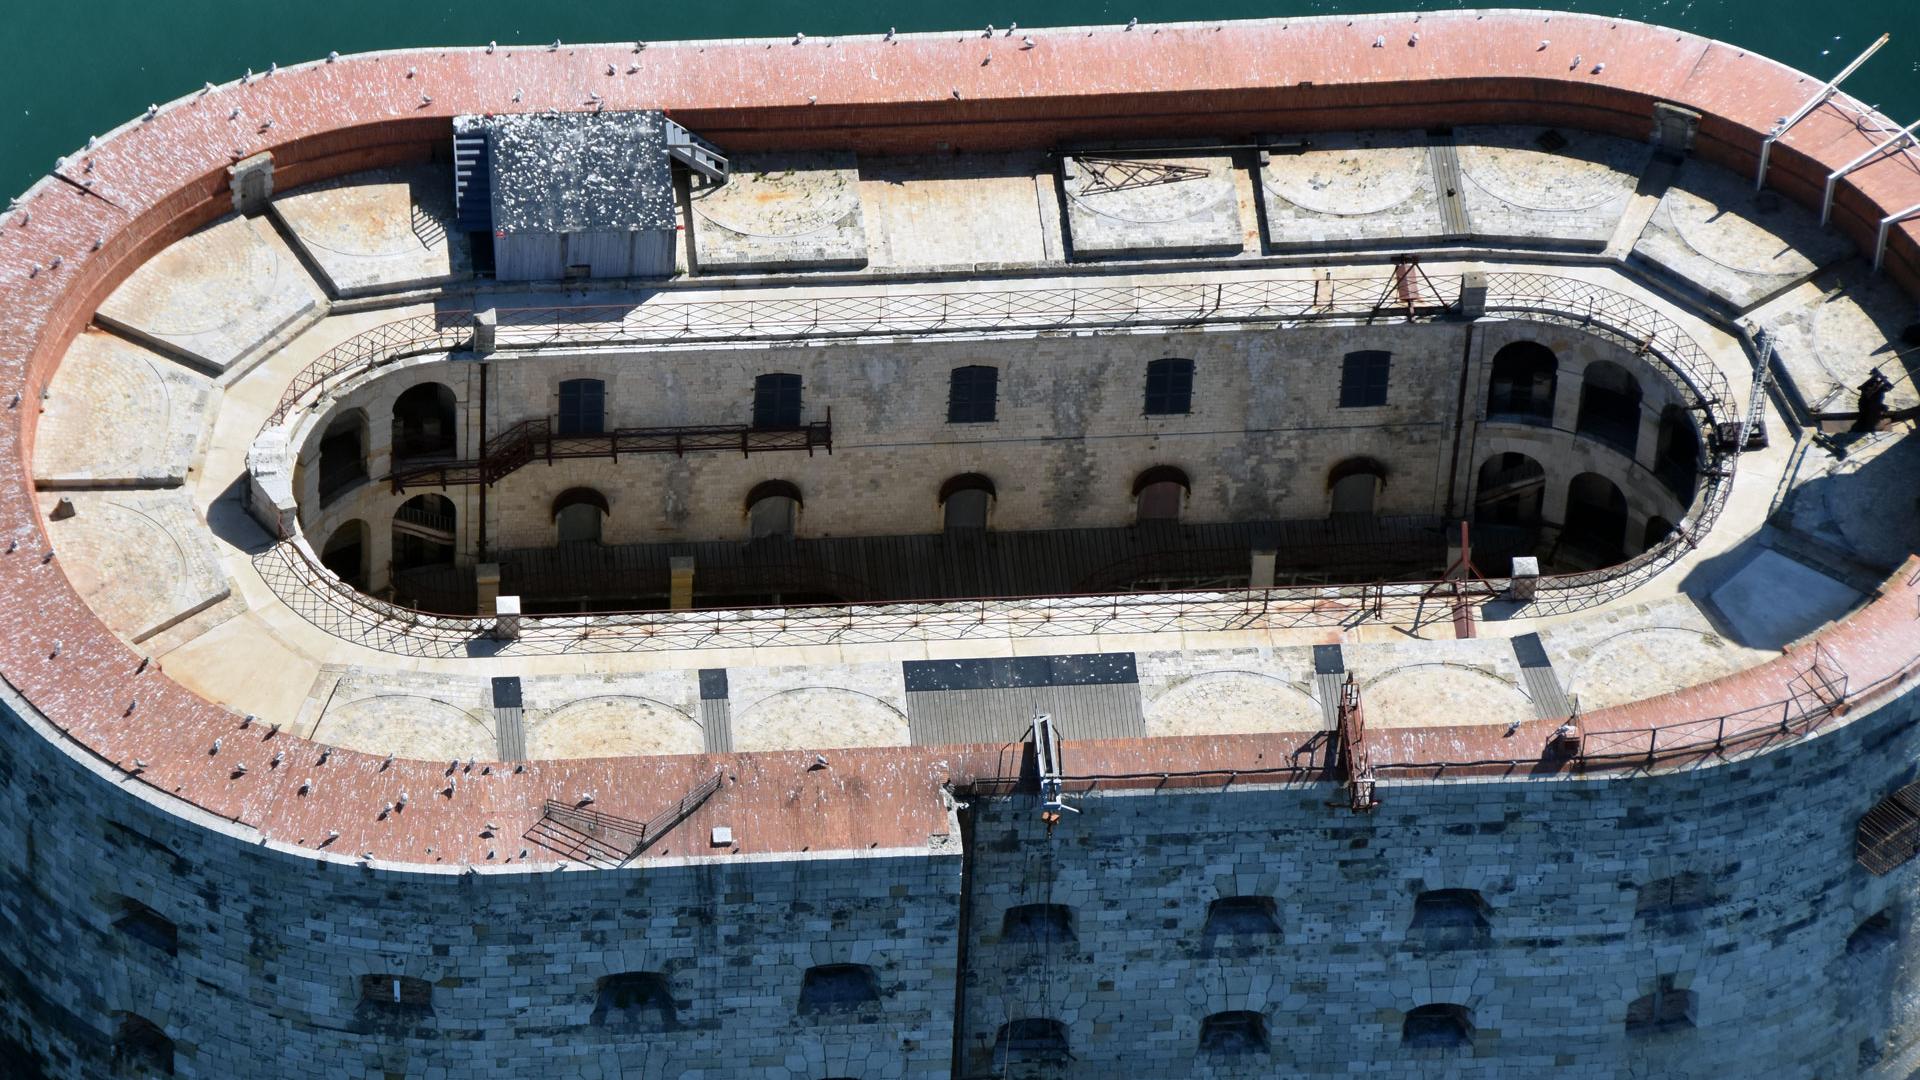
x,y
572,829
297,577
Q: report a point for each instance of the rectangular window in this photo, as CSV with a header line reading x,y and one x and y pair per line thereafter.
x,y
972,394
1363,379
583,407
776,401
1169,388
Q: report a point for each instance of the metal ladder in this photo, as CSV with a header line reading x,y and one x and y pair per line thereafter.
x,y
472,182
695,153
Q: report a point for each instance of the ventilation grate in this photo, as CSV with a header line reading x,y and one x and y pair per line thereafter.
x,y
1889,832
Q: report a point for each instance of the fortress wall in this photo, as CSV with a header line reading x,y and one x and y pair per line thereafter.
x,y
271,947
1561,866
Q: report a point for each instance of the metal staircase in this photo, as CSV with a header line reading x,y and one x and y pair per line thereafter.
x,y
696,153
472,181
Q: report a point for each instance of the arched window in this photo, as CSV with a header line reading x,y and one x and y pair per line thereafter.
x,y
838,988
1610,406
1510,490
423,422
1037,924
345,553
1033,1040
1438,1027
143,924
583,407
1448,919
973,394
140,1048
1242,915
1676,459
776,400
343,454
1522,383
1596,526
637,999
423,532
1229,1034
1665,1009
773,507
578,514
1354,483
965,501
1159,494
1169,387
1875,934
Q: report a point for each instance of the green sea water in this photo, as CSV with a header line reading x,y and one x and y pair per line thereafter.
x,y
69,69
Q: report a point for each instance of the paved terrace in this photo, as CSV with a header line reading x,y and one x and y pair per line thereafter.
x,y
159,177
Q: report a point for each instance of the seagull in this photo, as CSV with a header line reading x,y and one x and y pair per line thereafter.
x,y
208,88
492,45
138,764
306,786
426,99
988,32
1600,67
555,47
1576,62
1027,42
639,46
1132,23
332,55
516,94
1414,40
216,747
1011,27
247,78
235,114
153,111
798,38
610,70
1543,45
1380,42
411,72
403,798
272,67
890,32
278,757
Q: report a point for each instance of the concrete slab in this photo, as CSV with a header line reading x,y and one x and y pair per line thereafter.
x,y
142,560
1535,184
791,211
1831,332
1232,702
613,726
978,211
217,296
380,231
1125,204
119,415
1349,190
1772,600
1714,234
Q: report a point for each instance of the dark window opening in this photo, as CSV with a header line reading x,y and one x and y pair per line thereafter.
x,y
423,422
776,401
393,1003
583,407
773,507
345,553
973,392
1169,387
1034,1040
1522,384
1159,494
838,988
343,455
1038,924
1683,892
1658,529
145,925
635,999
1230,1033
423,532
965,502
1610,406
1596,528
140,1048
1242,915
1438,1027
1676,459
578,514
1449,919
1875,934
1353,484
1665,1009
1363,379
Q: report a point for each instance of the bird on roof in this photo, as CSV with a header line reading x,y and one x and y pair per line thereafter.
x,y
492,45
555,47
1027,42
890,32
1132,23
272,67
988,32
332,55
1380,41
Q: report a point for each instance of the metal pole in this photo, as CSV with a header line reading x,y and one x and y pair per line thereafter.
x,y
1886,225
1780,129
1833,178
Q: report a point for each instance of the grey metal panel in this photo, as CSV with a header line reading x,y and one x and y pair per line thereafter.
x,y
1550,700
604,254
529,257
998,716
1329,674
1444,157
716,724
653,253
510,733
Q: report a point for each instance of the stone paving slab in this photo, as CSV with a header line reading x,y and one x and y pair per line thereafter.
x,y
1351,189
1112,210
1831,332
1612,657
983,210
1533,184
217,295
119,415
789,211
142,560
1772,600
1714,234
380,231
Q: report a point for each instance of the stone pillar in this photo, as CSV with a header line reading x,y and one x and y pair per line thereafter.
x,y
1553,496
485,325
506,618
486,588
1526,579
251,181
1261,576
1647,446
1566,399
1636,528
680,591
1473,294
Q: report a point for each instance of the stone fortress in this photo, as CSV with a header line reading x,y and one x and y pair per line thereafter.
x,y
547,560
